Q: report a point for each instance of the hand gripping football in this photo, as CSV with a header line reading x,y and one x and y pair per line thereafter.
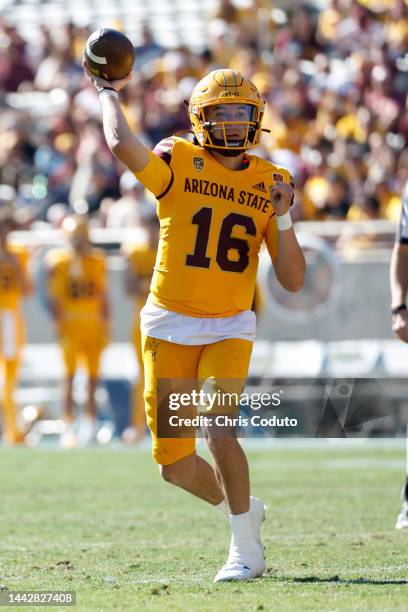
x,y
109,54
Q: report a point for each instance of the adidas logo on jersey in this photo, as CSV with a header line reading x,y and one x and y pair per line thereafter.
x,y
260,187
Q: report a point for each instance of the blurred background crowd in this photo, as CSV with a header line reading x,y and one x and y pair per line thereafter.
x,y
335,80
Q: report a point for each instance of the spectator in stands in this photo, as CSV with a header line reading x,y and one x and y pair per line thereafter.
x,y
148,50
365,208
338,76
337,201
15,70
125,211
95,177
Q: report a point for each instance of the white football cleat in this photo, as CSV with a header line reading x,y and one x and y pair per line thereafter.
x,y
237,571
242,564
246,563
402,520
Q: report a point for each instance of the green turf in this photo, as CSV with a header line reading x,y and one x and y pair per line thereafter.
x,y
102,523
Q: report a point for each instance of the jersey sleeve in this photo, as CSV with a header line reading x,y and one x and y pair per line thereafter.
x,y
402,230
157,175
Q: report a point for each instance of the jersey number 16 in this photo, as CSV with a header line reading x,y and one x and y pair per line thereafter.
x,y
199,259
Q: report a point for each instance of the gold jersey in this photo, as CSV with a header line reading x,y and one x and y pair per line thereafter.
x,y
13,269
77,282
213,221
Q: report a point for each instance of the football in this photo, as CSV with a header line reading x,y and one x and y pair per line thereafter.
x,y
109,54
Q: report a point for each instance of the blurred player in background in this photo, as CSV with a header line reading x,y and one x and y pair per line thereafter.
x,y
15,285
399,290
77,294
140,257
216,205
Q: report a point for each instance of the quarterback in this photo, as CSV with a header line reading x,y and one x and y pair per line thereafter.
x,y
216,206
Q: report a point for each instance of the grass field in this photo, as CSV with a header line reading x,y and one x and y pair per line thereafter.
x,y
102,523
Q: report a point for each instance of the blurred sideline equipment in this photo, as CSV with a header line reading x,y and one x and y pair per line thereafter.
x,y
109,54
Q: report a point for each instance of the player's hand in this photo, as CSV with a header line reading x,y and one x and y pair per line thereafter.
x,y
400,325
99,82
281,197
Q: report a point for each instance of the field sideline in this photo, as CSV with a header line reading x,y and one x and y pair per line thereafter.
x,y
102,523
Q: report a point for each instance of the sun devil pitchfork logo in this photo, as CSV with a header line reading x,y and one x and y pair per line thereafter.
x,y
198,163
152,345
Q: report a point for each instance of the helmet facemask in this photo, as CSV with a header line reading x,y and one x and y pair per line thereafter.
x,y
228,127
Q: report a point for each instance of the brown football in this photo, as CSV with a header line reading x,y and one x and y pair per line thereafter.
x,y
109,54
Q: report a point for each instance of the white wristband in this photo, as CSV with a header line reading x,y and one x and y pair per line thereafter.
x,y
109,92
284,221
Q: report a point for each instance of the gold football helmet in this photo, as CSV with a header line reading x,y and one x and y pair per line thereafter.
x,y
219,88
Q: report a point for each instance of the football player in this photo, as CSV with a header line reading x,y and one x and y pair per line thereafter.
x,y
399,289
77,295
15,285
216,206
140,258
